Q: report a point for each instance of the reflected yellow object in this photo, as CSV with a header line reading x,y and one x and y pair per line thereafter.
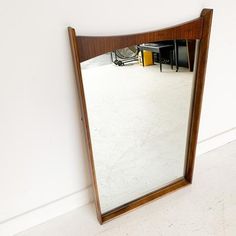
x,y
147,58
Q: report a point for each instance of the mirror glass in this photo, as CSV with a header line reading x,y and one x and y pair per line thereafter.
x,y
138,102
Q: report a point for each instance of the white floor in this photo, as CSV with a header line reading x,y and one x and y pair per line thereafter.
x,y
207,207
138,119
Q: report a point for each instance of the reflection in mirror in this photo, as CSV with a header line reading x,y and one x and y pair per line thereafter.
x,y
138,102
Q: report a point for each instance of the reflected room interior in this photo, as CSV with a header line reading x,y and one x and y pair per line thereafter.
x,y
138,102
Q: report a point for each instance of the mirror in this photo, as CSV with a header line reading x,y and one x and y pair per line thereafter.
x,y
141,99
138,117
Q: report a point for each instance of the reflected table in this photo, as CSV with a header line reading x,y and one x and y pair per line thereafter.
x,y
157,48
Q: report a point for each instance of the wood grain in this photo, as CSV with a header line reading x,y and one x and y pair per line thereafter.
x,y
90,47
144,199
86,47
198,91
79,82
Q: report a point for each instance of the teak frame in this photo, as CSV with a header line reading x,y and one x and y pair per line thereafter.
x,y
86,47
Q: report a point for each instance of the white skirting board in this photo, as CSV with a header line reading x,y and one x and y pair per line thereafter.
x,y
68,203
216,141
44,213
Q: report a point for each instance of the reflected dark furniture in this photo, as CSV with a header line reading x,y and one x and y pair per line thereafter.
x,y
185,53
157,48
181,52
191,48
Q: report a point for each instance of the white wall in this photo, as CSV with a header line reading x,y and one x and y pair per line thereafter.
x,y
42,151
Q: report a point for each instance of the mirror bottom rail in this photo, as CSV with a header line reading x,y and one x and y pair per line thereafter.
x,y
181,182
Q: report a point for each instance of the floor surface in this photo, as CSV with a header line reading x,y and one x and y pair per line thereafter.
x,y
207,207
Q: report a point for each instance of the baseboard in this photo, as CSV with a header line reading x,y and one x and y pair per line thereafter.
x,y
68,203
216,141
44,213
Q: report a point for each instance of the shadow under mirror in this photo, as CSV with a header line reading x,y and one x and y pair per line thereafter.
x,y
138,102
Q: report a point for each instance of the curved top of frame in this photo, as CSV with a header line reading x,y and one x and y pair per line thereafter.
x,y
92,46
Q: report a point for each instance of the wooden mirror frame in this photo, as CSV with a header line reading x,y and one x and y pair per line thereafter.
x,y
86,47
